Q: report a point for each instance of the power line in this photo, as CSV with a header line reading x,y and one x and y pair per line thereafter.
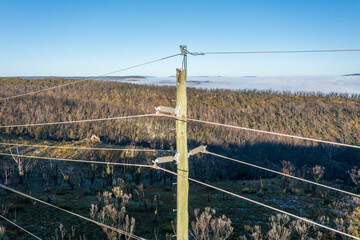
x,y
272,133
273,52
72,213
88,148
189,119
31,234
42,90
283,174
261,204
141,64
82,80
78,121
76,160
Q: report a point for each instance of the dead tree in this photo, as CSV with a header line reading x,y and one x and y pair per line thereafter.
x,y
54,172
23,166
318,173
8,171
67,174
93,169
288,168
355,177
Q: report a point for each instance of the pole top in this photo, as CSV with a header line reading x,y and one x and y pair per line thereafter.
x,y
183,49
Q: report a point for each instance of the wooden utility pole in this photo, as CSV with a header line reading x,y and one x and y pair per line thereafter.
x,y
182,224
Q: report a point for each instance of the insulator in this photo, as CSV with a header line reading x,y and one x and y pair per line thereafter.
x,y
199,149
164,109
164,159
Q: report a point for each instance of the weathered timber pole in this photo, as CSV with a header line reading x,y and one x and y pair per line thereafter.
x,y
182,224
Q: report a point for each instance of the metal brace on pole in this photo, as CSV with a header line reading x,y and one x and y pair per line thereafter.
x,y
184,52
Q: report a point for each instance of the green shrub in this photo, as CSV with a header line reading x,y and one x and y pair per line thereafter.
x,y
17,208
248,190
2,232
24,200
166,228
247,228
64,206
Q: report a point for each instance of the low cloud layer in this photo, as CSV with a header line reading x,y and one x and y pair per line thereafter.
x,y
325,84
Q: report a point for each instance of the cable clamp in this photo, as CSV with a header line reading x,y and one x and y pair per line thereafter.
x,y
155,166
196,53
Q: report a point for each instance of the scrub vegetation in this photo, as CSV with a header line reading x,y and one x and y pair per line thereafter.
x,y
141,201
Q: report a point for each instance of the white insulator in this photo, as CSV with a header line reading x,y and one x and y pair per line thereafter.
x,y
200,149
164,109
164,159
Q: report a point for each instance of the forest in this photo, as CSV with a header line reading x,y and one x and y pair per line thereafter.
x,y
141,201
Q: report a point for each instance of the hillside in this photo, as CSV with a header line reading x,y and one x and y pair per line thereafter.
x,y
328,117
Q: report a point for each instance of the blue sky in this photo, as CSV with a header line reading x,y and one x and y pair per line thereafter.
x,y
84,38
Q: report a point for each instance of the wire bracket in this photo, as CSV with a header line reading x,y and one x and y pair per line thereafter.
x,y
176,157
177,111
183,50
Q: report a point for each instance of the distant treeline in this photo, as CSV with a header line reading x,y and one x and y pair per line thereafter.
x,y
333,117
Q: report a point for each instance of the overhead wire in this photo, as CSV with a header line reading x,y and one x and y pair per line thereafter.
x,y
280,173
75,160
263,131
90,78
189,119
78,121
261,204
23,229
86,148
72,213
274,133
275,52
43,90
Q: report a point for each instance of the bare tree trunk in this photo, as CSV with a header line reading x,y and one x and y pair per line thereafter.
x,y
21,178
109,176
55,175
